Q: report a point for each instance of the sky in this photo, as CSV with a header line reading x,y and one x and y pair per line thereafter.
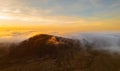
x,y
58,16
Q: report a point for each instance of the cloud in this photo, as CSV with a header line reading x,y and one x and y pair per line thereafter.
x,y
109,41
16,35
58,12
104,3
20,8
15,10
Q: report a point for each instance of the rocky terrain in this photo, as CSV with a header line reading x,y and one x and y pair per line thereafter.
x,y
53,53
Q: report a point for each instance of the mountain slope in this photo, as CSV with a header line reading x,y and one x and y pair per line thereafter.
x,y
52,53
45,45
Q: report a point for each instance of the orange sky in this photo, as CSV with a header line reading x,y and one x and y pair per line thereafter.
x,y
29,17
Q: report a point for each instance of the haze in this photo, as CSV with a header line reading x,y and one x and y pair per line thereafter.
x,y
23,18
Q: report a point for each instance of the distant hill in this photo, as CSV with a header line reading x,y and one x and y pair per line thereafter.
x,y
53,53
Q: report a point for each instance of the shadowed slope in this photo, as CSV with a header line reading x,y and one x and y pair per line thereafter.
x,y
44,45
52,53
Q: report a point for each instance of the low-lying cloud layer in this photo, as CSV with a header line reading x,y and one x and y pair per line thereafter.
x,y
100,41
104,41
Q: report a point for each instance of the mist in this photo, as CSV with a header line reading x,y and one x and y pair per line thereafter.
x,y
99,41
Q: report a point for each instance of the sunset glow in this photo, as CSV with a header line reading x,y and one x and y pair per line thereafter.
x,y
58,16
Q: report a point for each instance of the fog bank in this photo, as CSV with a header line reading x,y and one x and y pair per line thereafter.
x,y
104,41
